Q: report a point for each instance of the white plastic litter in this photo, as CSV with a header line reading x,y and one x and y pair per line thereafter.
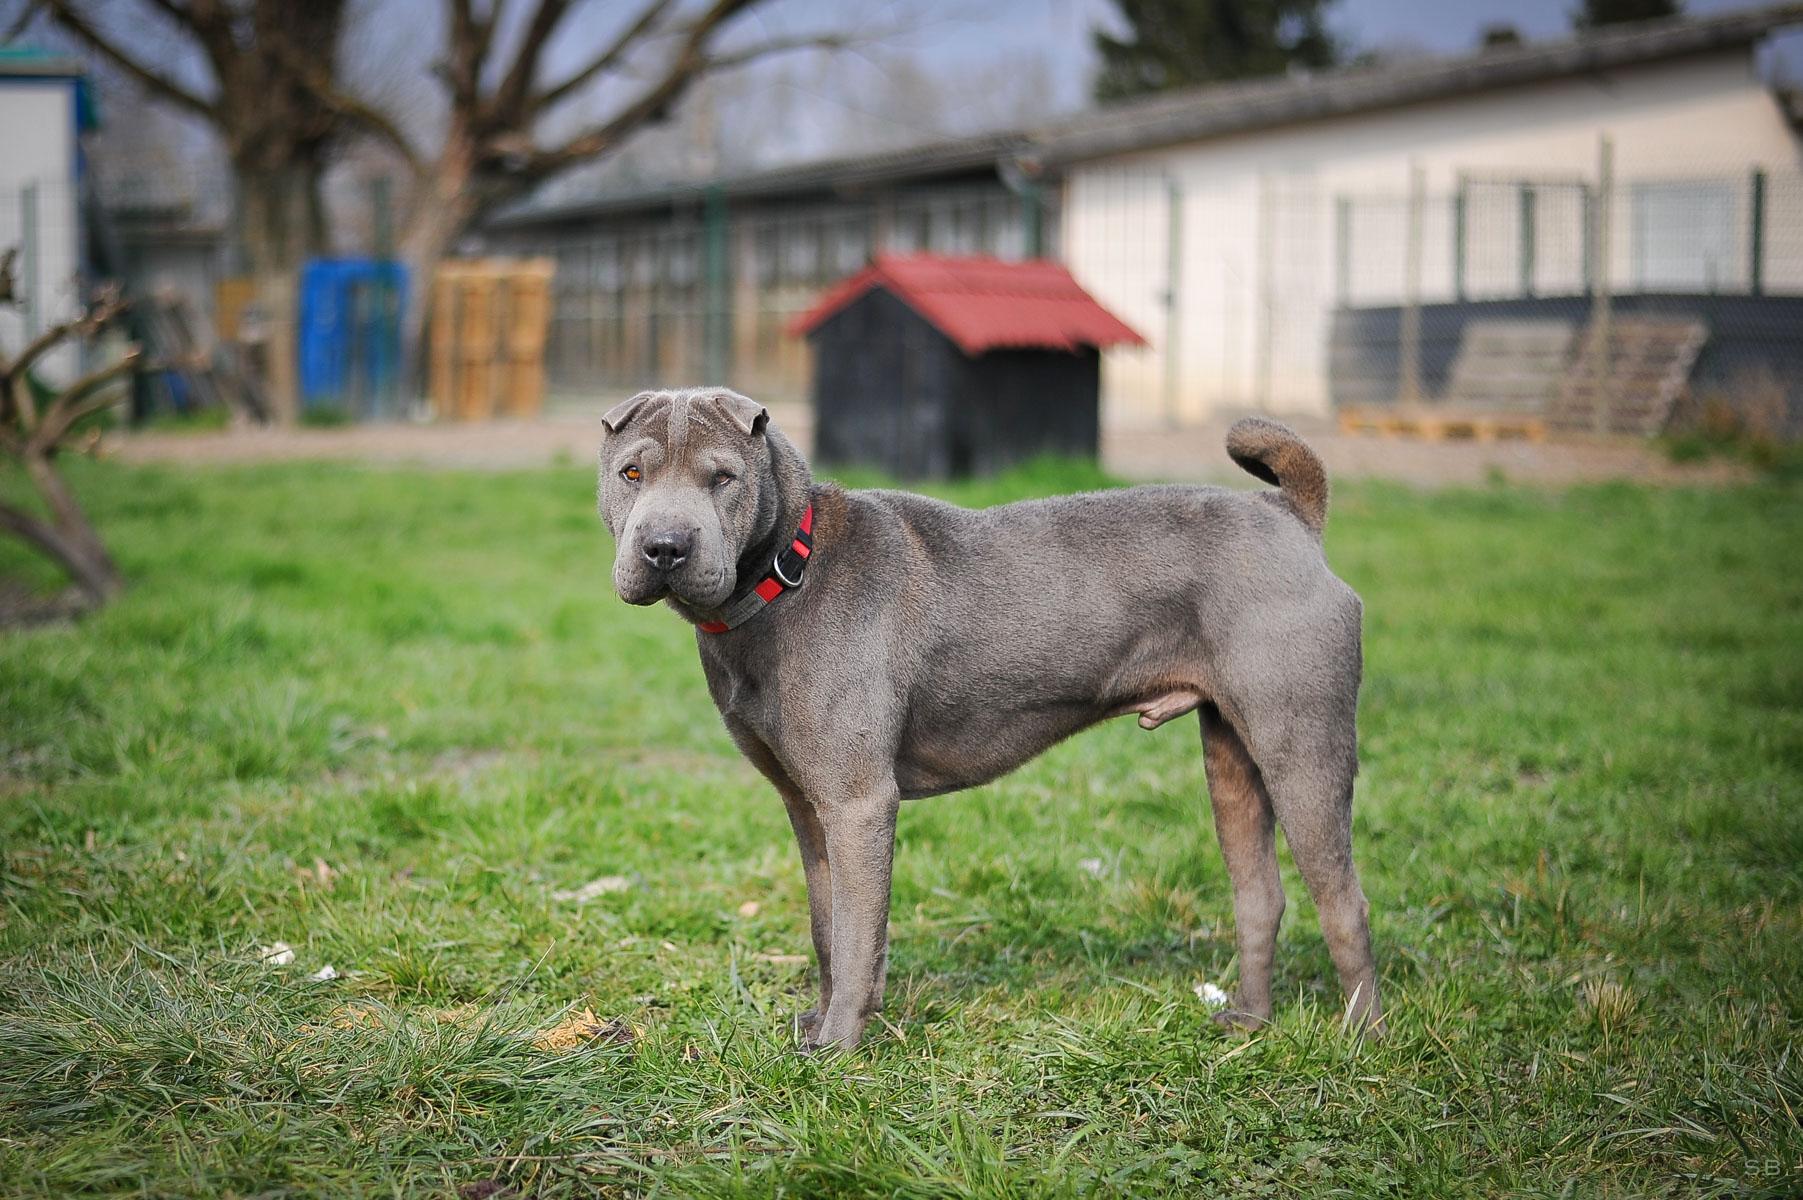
x,y
594,888
278,955
1211,995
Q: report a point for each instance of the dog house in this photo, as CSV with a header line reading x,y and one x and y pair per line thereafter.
x,y
928,367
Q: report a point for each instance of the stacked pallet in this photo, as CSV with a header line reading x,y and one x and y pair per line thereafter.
x,y
1503,378
1509,366
1434,423
1629,378
489,323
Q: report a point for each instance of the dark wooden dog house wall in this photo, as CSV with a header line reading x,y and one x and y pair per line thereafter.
x,y
931,368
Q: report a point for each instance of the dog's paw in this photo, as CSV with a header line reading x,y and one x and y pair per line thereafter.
x,y
1240,1021
831,1033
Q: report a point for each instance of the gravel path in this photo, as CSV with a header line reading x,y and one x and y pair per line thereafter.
x,y
1183,454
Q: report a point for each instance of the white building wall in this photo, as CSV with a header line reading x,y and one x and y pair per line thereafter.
x,y
1255,261
38,192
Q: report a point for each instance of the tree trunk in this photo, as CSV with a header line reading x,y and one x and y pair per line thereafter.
x,y
280,221
441,212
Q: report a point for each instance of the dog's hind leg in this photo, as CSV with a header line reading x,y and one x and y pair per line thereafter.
x,y
1243,825
1311,789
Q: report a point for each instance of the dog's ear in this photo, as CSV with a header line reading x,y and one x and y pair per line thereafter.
x,y
746,413
623,412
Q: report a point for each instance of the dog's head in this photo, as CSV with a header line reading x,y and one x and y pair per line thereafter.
x,y
691,481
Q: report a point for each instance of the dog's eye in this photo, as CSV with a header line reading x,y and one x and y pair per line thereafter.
x,y
722,478
630,474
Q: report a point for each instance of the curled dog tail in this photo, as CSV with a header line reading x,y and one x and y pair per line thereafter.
x,y
1272,451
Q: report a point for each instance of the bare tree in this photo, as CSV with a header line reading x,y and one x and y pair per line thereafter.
x,y
279,104
32,436
495,149
273,99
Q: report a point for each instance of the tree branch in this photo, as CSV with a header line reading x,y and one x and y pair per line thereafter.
x,y
686,66
24,19
738,58
38,532
66,15
313,76
609,58
104,311
471,34
510,95
68,408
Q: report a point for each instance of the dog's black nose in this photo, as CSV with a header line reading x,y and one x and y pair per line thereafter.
x,y
667,551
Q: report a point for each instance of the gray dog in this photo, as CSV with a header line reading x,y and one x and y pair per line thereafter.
x,y
933,648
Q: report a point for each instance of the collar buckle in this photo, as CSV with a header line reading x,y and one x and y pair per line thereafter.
x,y
776,565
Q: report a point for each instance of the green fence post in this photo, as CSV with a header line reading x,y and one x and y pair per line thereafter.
x,y
1342,249
1173,297
1529,248
381,203
1032,217
30,265
714,329
1458,239
1756,236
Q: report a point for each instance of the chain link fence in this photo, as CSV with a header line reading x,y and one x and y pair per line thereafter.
x,y
1588,303
710,292
41,223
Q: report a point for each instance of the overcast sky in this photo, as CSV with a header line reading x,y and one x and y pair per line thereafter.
x,y
973,30
978,49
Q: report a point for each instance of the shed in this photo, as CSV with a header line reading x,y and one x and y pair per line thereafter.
x,y
930,367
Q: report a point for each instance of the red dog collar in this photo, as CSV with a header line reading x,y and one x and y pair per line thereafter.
x,y
785,574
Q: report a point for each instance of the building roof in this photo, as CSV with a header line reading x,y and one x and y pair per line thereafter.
x,y
926,160
1217,110
1221,109
29,62
26,62
983,303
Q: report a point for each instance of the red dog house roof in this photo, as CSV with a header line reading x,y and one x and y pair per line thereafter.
x,y
983,303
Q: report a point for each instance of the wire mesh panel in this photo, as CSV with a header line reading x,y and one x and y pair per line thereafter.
x,y
40,221
1587,289
645,300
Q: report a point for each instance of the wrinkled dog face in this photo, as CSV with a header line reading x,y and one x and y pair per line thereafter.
x,y
682,477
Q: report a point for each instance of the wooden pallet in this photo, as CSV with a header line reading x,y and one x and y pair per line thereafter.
x,y
1509,366
1634,389
1442,424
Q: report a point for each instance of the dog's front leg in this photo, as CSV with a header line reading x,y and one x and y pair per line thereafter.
x,y
811,838
860,850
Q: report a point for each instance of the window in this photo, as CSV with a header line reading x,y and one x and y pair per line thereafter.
x,y
851,246
1686,236
801,251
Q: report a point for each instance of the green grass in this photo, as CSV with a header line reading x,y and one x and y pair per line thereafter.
x,y
1580,823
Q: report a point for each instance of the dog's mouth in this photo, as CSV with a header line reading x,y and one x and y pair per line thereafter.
x,y
705,594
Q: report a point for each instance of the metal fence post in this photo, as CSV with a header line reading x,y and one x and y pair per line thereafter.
x,y
31,261
1529,237
1602,309
714,335
1173,299
1756,235
1267,288
381,203
1032,214
1342,258
1410,347
1459,202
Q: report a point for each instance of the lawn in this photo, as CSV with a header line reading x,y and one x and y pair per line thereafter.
x,y
395,719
